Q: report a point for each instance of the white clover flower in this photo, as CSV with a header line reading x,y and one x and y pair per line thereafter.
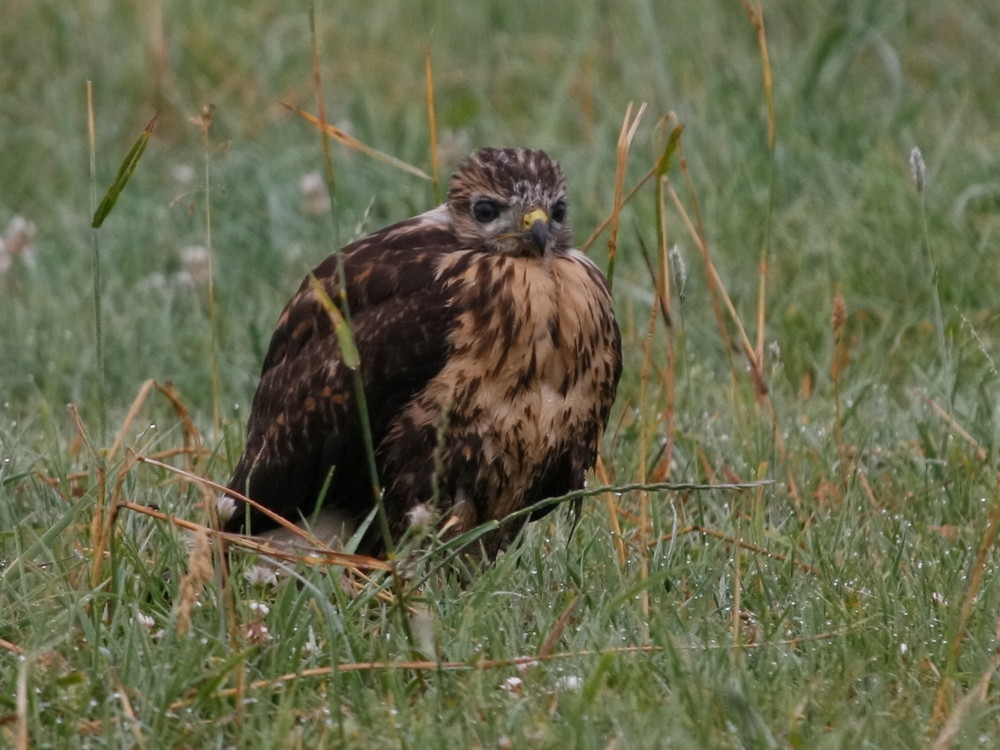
x,y
145,620
261,575
421,516
513,686
225,506
257,633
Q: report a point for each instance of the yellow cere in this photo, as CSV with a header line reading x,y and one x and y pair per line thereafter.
x,y
529,219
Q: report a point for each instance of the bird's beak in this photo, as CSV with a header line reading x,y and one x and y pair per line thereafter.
x,y
535,226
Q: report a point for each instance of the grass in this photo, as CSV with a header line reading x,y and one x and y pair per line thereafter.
x,y
850,603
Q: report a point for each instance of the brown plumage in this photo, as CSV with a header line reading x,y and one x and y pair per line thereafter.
x,y
490,359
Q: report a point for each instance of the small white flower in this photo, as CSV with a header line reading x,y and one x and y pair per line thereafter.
x,y
569,683
513,686
260,609
525,666
257,633
421,516
225,506
261,575
904,649
145,620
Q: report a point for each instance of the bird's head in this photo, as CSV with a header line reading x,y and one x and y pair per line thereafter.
x,y
511,201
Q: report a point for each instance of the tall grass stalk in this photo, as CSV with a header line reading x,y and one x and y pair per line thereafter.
x,y
103,517
755,11
662,283
919,170
204,124
346,331
382,518
432,124
841,358
629,127
95,246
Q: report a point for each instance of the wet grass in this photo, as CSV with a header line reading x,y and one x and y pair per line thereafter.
x,y
850,603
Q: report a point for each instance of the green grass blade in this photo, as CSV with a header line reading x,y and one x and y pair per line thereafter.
x,y
348,349
125,171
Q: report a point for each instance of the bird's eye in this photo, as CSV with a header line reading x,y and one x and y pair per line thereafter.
x,y
559,211
486,211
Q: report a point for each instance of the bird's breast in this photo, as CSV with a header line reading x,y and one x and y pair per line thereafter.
x,y
529,347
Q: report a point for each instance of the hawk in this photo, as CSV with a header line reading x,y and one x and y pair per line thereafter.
x,y
489,360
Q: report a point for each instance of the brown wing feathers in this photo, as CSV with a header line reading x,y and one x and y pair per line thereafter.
x,y
304,429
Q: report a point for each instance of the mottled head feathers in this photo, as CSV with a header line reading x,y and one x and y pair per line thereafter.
x,y
511,201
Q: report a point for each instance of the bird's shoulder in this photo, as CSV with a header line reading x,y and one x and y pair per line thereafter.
x,y
386,273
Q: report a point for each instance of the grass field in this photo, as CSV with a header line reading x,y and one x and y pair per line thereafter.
x,y
851,602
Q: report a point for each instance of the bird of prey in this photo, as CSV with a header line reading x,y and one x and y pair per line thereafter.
x,y
489,360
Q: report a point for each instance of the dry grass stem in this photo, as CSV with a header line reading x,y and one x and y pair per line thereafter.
x,y
718,289
558,628
976,697
755,11
313,554
518,662
432,124
137,403
629,128
21,736
200,572
975,577
353,143
698,529
586,244
204,124
11,647
954,426
841,359
612,505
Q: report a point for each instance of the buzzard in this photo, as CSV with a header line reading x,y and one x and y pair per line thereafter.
x,y
489,360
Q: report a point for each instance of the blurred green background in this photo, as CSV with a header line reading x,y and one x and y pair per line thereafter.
x,y
852,603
